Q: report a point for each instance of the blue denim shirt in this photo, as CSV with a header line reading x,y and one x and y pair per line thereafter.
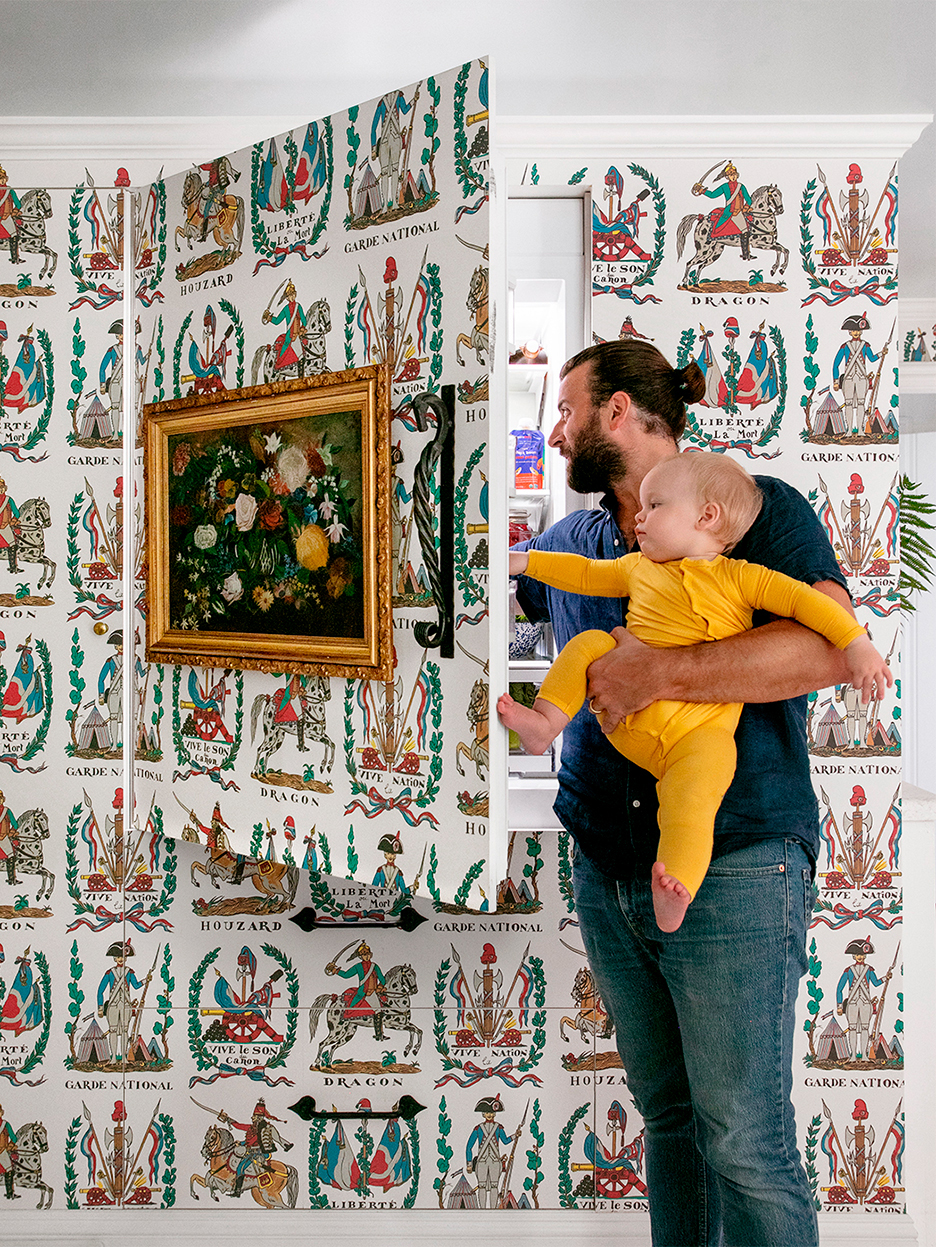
x,y
608,804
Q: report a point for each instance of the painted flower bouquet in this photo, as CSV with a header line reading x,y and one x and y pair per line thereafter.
x,y
264,530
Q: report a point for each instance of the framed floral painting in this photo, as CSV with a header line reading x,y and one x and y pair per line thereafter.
x,y
268,527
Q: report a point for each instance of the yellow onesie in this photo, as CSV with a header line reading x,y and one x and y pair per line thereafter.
x,y
688,746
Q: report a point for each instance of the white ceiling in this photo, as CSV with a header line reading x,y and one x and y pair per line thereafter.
x,y
306,58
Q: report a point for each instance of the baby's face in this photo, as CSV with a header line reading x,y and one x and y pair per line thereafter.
x,y
667,523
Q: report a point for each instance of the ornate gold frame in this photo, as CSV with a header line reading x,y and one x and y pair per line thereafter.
x,y
363,390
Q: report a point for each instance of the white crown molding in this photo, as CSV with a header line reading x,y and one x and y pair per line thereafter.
x,y
174,141
147,143
746,137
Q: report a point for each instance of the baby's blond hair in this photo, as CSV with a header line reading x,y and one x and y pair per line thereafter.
x,y
721,480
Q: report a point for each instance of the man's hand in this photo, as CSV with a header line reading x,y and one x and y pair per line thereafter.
x,y
782,659
623,681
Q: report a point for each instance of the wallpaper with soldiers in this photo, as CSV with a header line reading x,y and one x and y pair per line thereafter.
x,y
170,1037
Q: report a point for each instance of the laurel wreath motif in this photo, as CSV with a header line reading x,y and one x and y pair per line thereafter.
x,y
38,1052
816,280
469,179
177,357
431,791
183,756
695,432
566,1198
261,238
812,1173
538,1019
42,731
41,426
204,1058
319,1199
472,590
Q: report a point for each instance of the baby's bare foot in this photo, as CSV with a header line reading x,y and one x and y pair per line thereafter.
x,y
670,898
534,729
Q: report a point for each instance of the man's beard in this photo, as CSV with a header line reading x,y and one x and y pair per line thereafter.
x,y
595,462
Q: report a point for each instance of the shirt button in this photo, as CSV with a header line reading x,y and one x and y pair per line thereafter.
x,y
617,543
636,805
782,868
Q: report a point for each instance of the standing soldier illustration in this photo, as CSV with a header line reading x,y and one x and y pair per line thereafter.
x,y
389,875
486,1163
114,1000
10,218
387,143
111,372
110,689
733,218
9,841
365,999
258,1146
8,1154
849,369
857,1005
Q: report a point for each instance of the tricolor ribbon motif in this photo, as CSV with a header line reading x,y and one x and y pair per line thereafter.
x,y
402,804
476,1073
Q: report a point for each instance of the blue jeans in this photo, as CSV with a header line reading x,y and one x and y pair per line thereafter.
x,y
704,1021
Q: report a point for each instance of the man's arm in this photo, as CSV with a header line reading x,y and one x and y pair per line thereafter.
x,y
780,660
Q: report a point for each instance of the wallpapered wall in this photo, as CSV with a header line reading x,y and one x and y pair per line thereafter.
x,y
158,1004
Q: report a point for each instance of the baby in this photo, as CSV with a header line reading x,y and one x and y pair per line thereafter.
x,y
682,590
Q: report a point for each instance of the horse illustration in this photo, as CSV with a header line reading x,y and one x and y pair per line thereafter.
x,y
477,304
592,1017
398,987
35,210
26,857
312,699
312,362
271,879
766,205
225,215
29,546
273,1183
478,751
31,1141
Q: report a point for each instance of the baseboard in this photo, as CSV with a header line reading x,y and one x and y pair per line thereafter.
x,y
359,1229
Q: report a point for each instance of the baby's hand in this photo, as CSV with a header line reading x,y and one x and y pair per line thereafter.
x,y
870,674
517,560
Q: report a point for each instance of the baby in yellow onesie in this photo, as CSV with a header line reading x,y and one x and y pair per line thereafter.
x,y
682,591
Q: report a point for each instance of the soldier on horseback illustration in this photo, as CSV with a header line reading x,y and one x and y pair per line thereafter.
x,y
365,999
258,1146
9,840
10,217
734,217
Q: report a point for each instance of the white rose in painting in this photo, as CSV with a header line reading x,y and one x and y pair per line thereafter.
x,y
292,467
245,512
232,589
206,535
